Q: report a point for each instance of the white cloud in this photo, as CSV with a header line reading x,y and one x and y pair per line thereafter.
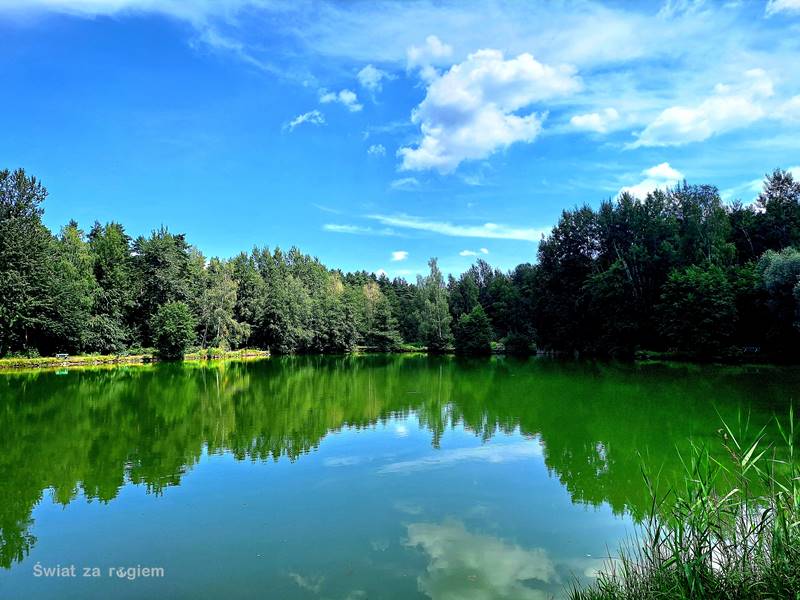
x,y
471,566
487,230
730,107
471,110
371,78
473,252
376,150
313,117
750,190
404,184
660,176
790,110
380,273
312,584
399,255
196,11
596,121
492,453
357,229
347,98
433,52
782,6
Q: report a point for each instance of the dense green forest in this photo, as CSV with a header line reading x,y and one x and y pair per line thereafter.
x,y
680,271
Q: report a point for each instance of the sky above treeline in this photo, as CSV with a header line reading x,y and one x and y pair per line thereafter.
x,y
377,134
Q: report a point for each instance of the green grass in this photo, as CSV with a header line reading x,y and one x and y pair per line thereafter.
x,y
142,356
731,532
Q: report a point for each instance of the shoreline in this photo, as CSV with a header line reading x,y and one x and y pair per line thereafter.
x,y
112,360
89,360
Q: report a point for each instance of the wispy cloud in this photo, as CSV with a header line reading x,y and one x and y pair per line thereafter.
x,y
405,184
357,229
376,150
313,117
493,453
782,6
327,209
487,230
732,106
311,583
399,255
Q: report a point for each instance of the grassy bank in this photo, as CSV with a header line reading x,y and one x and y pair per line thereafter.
x,y
731,532
42,362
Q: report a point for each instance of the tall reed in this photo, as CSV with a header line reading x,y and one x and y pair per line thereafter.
x,y
730,531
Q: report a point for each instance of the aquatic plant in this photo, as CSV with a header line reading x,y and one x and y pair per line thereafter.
x,y
731,531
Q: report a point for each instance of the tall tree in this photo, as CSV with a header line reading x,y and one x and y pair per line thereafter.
x,y
217,325
433,309
109,328
74,287
25,264
162,266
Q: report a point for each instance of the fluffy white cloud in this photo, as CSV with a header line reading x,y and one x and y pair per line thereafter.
x,y
782,6
475,566
433,52
371,78
348,98
313,117
660,176
487,230
404,184
596,121
473,252
376,150
730,107
471,110
399,255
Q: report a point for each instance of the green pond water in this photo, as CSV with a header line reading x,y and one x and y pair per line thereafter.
x,y
345,477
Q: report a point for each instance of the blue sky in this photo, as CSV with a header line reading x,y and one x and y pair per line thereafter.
x,y
374,135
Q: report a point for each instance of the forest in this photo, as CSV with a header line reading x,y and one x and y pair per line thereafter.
x,y
679,272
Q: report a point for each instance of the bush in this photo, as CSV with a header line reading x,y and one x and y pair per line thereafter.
x,y
173,329
474,333
518,344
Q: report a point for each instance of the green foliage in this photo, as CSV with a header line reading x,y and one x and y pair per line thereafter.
x,y
697,311
473,333
26,266
216,323
173,330
779,277
675,271
381,332
433,310
162,269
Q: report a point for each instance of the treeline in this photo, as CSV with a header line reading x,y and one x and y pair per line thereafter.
x,y
679,271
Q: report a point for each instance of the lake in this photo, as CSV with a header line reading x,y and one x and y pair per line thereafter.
x,y
345,477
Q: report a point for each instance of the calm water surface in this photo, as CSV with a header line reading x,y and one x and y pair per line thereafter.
x,y
345,477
